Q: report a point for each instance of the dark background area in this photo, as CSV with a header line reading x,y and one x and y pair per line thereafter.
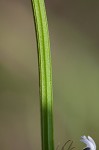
x,y
74,33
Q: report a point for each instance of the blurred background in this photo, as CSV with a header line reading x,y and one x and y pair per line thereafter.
x,y
74,32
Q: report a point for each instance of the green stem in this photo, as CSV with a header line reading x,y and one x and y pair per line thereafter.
x,y
45,74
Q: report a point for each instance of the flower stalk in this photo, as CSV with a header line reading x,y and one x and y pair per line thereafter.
x,y
45,73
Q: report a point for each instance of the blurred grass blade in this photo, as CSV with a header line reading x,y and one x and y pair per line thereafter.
x,y
45,74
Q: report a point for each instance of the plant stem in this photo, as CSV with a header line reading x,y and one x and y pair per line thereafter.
x,y
45,74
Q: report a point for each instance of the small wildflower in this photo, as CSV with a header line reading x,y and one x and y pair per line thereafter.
x,y
90,144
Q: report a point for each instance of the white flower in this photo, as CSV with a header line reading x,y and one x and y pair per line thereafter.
x,y
90,144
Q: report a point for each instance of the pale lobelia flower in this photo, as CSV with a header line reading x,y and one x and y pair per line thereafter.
x,y
90,144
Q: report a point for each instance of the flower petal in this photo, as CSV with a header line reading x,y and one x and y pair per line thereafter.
x,y
88,142
92,141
